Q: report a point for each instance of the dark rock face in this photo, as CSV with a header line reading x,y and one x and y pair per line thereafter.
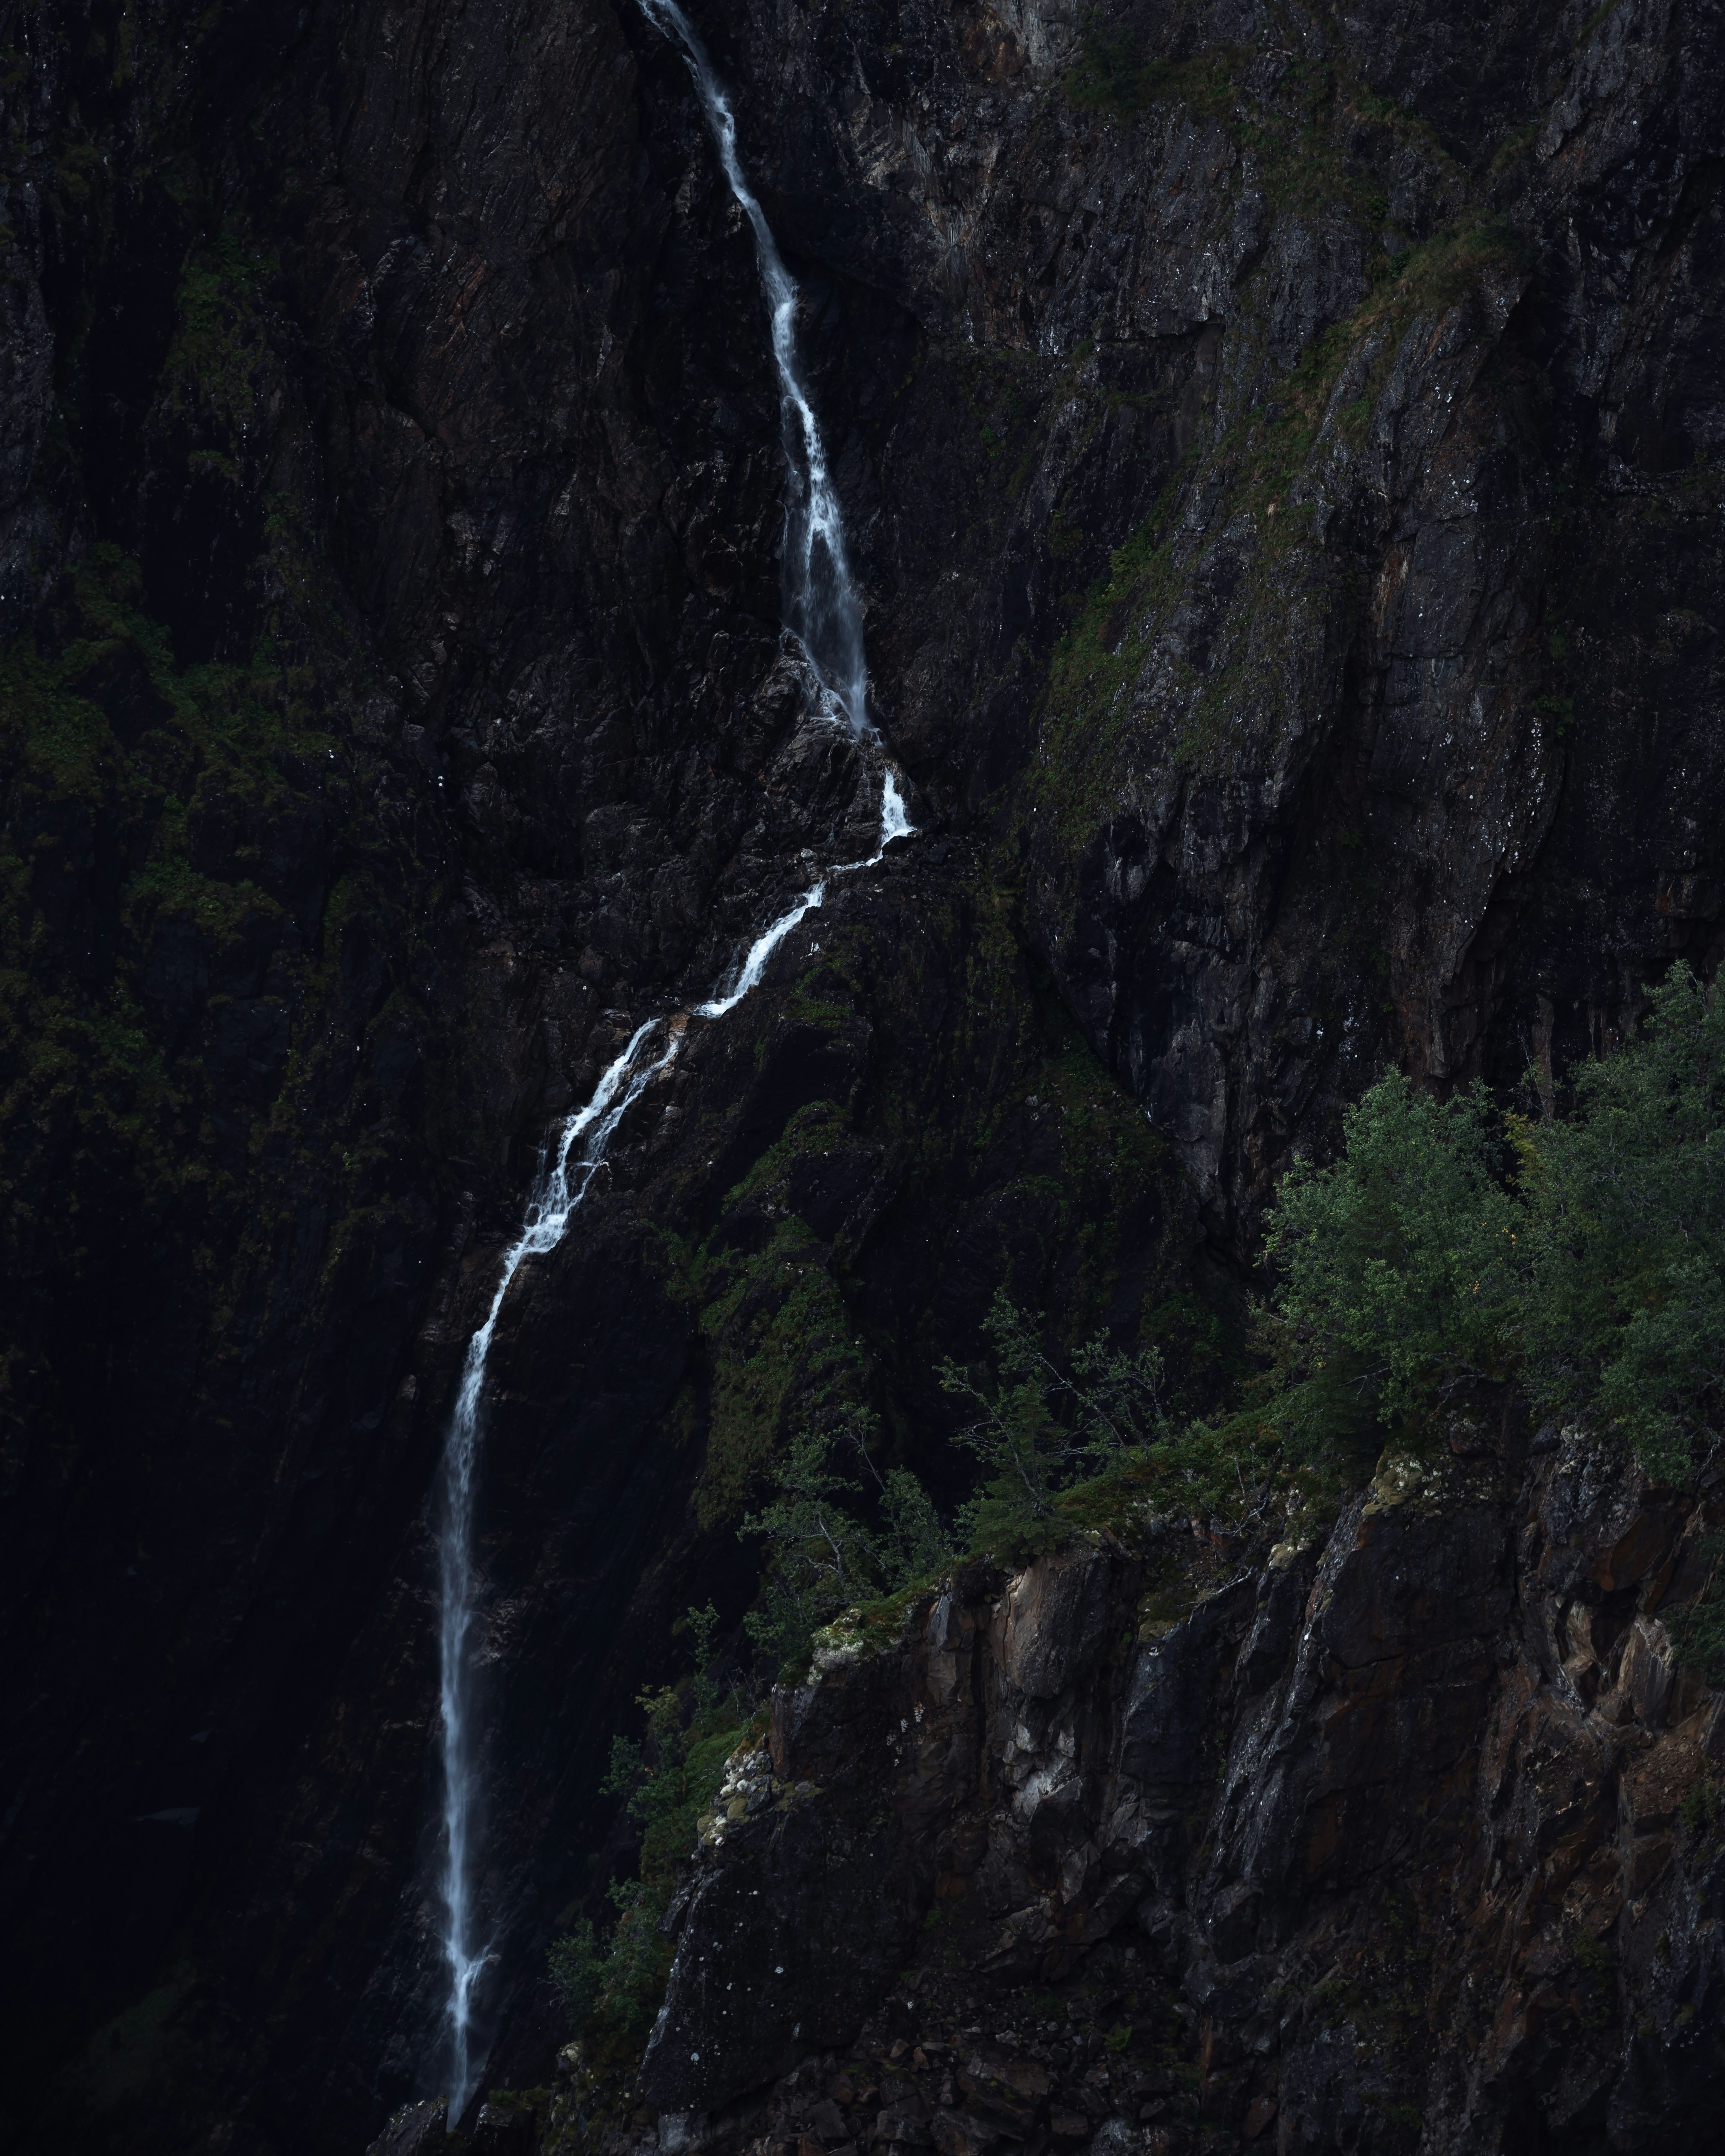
x,y
1351,1810
1288,509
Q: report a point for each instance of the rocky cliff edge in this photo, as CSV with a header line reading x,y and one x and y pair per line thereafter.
x,y
1402,1838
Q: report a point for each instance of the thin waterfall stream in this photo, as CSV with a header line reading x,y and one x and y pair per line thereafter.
x,y
823,615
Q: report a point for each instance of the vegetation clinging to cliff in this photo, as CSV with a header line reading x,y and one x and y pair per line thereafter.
x,y
1112,1406
1582,1258
821,1555
1398,1261
611,1984
1591,1268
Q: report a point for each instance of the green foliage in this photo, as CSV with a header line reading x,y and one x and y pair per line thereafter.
x,y
1590,1953
1036,1424
1596,1272
632,1981
612,1985
1026,1455
913,1544
1624,1312
1699,1806
774,1317
1697,1628
1118,1397
667,1780
1399,1261
1449,1244
616,1983
821,1555
787,1337
576,1965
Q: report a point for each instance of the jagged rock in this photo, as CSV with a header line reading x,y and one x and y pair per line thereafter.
x,y
1309,1752
416,2129
1286,500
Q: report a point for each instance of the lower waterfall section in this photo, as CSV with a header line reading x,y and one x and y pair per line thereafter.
x,y
562,1185
580,1153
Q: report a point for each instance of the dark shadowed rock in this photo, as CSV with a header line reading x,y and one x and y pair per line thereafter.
x,y
1342,1785
1285,496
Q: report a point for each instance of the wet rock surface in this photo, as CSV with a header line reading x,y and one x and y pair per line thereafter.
x,y
1288,506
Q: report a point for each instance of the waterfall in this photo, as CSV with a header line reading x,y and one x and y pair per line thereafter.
x,y
559,1188
823,611
820,604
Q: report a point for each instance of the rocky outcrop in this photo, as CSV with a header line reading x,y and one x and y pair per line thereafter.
x,y
1413,1840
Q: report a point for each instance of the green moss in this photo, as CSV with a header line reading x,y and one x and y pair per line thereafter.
x,y
1092,730
780,1334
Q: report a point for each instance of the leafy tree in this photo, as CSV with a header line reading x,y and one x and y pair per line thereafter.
x,y
1112,1405
637,1963
1399,1262
1623,1309
914,1545
1585,1255
822,1556
1118,1398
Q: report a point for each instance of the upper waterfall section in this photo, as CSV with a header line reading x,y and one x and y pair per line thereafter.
x,y
822,608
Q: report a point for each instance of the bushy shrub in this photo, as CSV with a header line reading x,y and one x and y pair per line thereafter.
x,y
611,1984
821,1555
1400,1260
1036,1427
1584,1256
1623,1309
576,1965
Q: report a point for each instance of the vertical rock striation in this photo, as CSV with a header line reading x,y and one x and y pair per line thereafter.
x,y
1381,1843
1284,472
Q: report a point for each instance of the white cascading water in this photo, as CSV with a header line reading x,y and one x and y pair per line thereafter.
x,y
823,611
820,601
559,1188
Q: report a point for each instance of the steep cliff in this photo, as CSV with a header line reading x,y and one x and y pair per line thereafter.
x,y
1281,457
1411,1840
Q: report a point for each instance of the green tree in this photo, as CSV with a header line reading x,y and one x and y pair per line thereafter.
x,y
576,1965
1623,1311
1037,1427
821,1553
1118,1398
1401,1264
913,1546
1585,1255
